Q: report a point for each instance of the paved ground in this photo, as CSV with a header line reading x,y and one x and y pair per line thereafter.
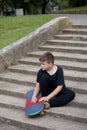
x,y
76,19
9,127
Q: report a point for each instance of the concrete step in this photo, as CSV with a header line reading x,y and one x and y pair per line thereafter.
x,y
67,43
79,101
60,56
73,37
18,103
79,26
29,80
11,89
71,113
69,74
25,69
70,49
18,118
18,78
75,75
71,65
4,126
77,86
12,102
75,31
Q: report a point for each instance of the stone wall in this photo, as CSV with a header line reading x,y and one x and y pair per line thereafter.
x,y
12,53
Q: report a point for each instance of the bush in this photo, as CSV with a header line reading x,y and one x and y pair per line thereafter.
x,y
63,4
49,7
35,10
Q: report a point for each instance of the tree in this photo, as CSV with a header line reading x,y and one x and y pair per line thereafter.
x,y
26,6
40,4
76,3
85,2
45,2
1,6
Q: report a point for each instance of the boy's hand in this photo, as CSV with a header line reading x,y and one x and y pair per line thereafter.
x,y
34,99
43,99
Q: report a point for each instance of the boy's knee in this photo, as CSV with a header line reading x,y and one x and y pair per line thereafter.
x,y
72,95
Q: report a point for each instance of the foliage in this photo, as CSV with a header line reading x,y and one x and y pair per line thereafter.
x,y
49,6
40,6
35,10
76,3
75,8
63,4
36,7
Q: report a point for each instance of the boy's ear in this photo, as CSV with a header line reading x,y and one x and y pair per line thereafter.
x,y
50,64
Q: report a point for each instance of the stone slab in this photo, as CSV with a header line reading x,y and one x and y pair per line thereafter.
x,y
42,123
61,55
30,62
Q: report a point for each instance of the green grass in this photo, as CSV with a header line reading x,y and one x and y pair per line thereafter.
x,y
75,8
14,28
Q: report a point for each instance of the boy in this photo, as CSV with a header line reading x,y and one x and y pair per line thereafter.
x,y
50,82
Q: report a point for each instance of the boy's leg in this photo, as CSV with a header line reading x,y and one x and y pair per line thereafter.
x,y
62,99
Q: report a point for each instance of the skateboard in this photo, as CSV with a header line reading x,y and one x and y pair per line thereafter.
x,y
32,109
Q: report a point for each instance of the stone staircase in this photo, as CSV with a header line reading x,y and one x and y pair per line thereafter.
x,y
70,50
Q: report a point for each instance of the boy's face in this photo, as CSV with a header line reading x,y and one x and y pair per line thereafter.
x,y
46,66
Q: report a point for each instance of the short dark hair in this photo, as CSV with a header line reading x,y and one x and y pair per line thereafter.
x,y
48,56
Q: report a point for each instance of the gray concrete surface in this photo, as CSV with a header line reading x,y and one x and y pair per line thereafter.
x,y
75,19
9,127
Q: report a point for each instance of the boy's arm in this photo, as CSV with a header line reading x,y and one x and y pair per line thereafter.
x,y
54,93
36,90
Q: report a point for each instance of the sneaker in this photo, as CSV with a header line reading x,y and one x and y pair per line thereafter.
x,y
46,105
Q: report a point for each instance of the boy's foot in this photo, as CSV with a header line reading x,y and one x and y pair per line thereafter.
x,y
46,105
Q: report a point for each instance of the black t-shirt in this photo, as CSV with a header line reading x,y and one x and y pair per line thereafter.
x,y
54,80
